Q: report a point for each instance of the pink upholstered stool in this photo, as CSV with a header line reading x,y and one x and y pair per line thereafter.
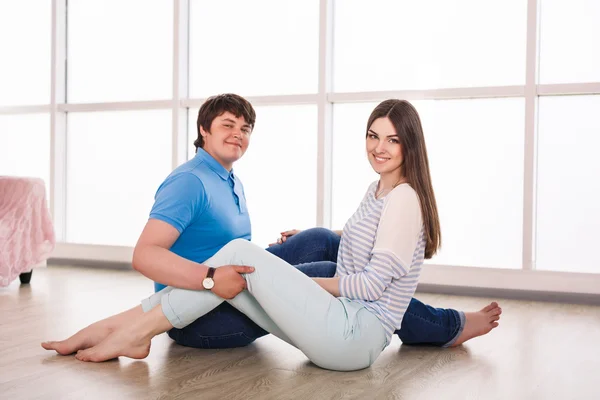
x,y
26,230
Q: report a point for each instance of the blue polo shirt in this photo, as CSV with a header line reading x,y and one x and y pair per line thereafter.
x,y
206,204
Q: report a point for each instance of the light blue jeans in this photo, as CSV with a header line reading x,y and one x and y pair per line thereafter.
x,y
334,333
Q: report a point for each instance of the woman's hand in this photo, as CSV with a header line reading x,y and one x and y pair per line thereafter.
x,y
332,285
285,235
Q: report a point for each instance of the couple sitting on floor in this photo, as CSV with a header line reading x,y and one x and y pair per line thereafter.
x,y
338,296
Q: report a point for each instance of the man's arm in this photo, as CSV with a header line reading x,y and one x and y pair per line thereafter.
x,y
339,233
153,259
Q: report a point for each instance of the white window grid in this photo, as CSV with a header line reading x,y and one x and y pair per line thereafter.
x,y
180,104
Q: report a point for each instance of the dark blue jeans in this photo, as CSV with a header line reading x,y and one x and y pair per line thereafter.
x,y
314,252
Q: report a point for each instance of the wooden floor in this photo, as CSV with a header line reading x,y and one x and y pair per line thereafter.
x,y
540,351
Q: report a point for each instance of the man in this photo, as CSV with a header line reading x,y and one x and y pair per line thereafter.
x,y
198,209
201,207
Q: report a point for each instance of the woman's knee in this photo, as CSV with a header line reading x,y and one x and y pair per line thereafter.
x,y
237,245
231,252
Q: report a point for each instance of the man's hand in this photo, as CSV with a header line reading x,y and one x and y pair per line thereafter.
x,y
228,281
285,235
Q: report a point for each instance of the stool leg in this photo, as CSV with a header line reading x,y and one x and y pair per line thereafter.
x,y
25,277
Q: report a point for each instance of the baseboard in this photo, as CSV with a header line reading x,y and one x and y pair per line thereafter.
x,y
512,281
71,262
499,293
75,252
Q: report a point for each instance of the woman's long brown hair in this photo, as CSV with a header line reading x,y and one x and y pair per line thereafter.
x,y
415,168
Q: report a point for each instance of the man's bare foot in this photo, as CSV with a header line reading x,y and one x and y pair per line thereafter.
x,y
123,342
93,334
85,338
479,323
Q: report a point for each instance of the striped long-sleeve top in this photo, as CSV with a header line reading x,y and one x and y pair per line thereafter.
x,y
381,253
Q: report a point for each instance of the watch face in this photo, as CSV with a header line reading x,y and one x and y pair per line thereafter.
x,y
208,283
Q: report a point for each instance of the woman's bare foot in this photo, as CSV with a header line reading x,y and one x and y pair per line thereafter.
x,y
130,340
123,342
85,338
479,323
93,334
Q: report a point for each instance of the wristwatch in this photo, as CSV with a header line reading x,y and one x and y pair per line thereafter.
x,y
208,282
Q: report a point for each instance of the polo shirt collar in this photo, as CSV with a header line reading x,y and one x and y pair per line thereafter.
x,y
214,164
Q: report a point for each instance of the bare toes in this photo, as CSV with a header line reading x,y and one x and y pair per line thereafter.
x,y
63,347
48,345
82,355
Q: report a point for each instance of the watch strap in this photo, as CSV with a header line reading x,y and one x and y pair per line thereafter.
x,y
211,272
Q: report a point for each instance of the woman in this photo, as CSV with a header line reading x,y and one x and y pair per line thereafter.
x,y
314,251
341,323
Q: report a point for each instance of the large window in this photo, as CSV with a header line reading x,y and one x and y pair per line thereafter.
x,y
507,95
568,184
569,48
25,146
476,168
259,47
116,161
476,158
25,48
399,45
119,50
